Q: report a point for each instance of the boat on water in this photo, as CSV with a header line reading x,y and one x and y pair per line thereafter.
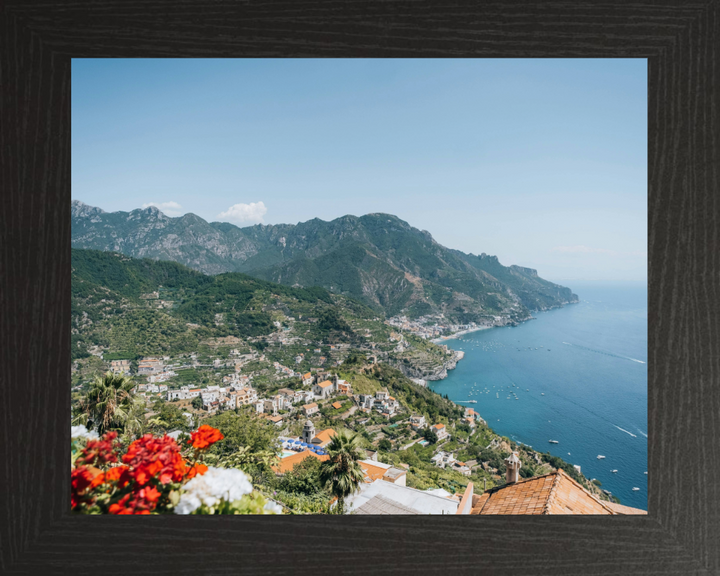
x,y
613,471
542,393
553,442
635,489
600,457
472,401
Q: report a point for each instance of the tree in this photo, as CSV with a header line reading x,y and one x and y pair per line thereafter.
x,y
342,471
197,403
243,429
304,478
355,357
430,435
110,405
385,445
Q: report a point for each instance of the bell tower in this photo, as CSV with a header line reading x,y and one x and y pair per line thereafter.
x,y
308,432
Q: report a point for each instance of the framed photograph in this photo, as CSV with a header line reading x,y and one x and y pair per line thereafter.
x,y
251,279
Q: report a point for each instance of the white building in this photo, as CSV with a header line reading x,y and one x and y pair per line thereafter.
x,y
310,409
367,401
443,459
323,389
176,395
417,421
440,430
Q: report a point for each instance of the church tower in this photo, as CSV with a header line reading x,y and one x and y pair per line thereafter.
x,y
308,432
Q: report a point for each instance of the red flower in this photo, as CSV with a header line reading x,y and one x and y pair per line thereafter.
x,y
114,474
205,436
196,470
99,479
81,479
150,457
151,495
119,507
99,452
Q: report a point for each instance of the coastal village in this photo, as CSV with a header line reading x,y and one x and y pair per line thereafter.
x,y
302,405
308,371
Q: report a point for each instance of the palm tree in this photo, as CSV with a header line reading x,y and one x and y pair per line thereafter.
x,y
110,405
342,471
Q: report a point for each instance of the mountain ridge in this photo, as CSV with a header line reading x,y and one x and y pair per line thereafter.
x,y
377,258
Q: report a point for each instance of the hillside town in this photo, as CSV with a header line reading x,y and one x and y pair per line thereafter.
x,y
299,409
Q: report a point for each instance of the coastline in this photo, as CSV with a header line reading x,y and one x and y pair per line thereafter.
x,y
460,333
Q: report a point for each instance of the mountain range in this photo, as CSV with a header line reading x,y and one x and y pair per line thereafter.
x,y
378,259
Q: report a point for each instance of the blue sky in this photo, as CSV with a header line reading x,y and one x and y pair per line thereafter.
x,y
540,162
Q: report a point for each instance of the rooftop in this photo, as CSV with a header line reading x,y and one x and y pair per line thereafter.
x,y
381,505
324,437
287,464
402,496
554,493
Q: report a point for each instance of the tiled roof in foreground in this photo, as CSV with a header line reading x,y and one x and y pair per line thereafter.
x,y
381,505
555,493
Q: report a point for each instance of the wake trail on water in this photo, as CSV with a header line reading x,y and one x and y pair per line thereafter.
x,y
605,353
641,432
626,432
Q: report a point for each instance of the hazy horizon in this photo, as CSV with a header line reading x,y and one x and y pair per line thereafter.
x,y
539,162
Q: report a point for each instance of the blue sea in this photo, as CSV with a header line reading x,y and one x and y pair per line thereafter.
x,y
580,377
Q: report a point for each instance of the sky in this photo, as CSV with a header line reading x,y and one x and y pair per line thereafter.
x,y
540,162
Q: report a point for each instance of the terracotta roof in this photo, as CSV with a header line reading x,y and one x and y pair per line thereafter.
x,y
555,493
620,509
308,406
306,376
275,418
325,436
372,473
439,426
325,384
336,405
287,464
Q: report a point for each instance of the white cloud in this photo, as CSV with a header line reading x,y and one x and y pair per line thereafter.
x,y
167,208
244,213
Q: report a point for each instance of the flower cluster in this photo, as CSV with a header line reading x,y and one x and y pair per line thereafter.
x,y
154,477
204,437
152,458
215,485
99,452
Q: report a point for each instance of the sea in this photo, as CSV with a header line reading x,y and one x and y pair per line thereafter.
x,y
576,374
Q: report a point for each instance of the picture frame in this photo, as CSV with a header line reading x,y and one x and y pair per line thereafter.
x,y
680,534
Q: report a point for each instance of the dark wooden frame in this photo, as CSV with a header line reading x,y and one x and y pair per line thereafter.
x,y
681,534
